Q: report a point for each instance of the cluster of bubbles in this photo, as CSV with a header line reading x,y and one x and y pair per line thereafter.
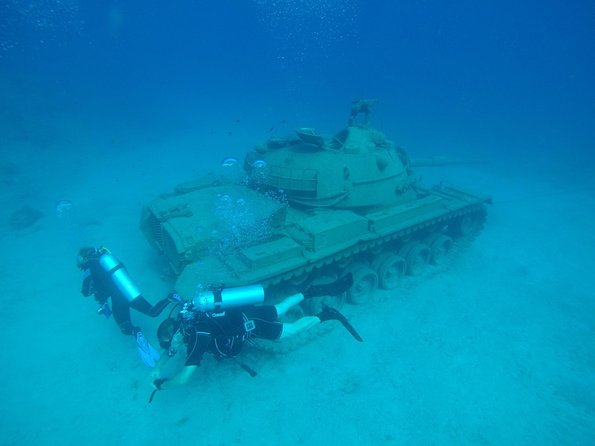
x,y
277,195
238,225
231,170
239,222
39,21
300,25
63,208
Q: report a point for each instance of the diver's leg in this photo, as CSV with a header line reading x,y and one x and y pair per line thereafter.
x,y
121,314
287,303
299,326
141,304
159,307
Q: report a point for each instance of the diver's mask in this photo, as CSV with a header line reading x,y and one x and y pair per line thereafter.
x,y
166,333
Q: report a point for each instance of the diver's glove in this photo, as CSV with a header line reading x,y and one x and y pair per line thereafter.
x,y
157,383
336,288
175,297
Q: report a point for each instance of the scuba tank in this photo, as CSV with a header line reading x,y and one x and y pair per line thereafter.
x,y
215,301
119,276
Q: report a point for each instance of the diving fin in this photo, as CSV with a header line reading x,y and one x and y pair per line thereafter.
x,y
336,288
147,352
329,313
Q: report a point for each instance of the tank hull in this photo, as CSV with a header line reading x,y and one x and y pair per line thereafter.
x,y
303,245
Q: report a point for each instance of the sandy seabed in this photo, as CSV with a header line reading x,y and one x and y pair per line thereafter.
x,y
496,350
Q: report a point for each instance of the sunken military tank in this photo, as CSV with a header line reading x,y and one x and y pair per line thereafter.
x,y
309,209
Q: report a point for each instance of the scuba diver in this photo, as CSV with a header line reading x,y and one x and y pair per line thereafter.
x,y
106,277
221,321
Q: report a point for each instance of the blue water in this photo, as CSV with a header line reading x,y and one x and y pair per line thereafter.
x,y
502,72
108,104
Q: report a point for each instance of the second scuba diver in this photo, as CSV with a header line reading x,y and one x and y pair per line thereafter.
x,y
105,277
220,322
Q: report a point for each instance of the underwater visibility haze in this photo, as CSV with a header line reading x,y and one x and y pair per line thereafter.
x,y
106,106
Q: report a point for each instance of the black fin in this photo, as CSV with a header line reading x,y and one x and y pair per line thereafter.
x,y
329,314
349,328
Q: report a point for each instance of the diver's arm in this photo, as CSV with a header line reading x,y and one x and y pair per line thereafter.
x,y
180,378
87,286
196,351
163,360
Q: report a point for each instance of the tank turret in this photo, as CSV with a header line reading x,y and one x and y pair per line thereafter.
x,y
357,168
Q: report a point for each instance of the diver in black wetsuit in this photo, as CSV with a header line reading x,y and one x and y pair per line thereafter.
x,y
106,277
220,322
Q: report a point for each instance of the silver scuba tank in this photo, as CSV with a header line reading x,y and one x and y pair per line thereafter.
x,y
120,276
221,300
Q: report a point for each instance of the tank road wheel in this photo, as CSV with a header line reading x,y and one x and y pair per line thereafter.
x,y
416,255
390,269
440,246
365,281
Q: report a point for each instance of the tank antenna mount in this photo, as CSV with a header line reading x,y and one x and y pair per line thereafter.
x,y
363,107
